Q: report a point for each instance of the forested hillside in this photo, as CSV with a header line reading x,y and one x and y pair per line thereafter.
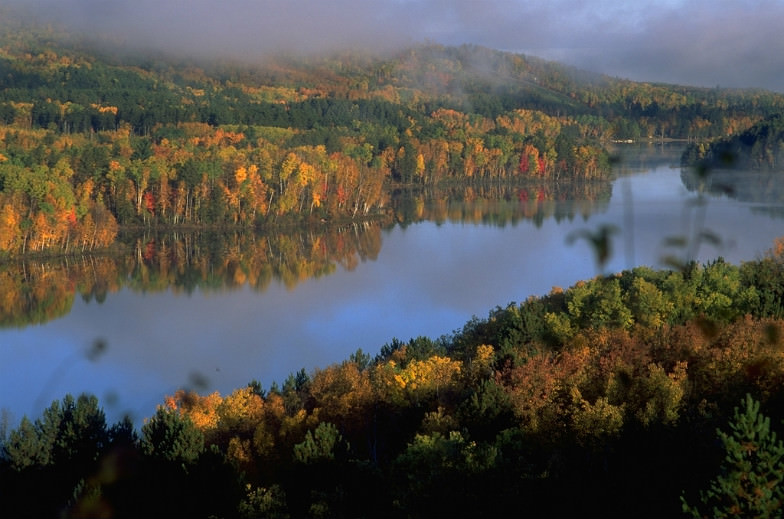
x,y
639,394
760,147
612,398
92,141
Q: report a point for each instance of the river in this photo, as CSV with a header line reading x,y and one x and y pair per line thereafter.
x,y
140,332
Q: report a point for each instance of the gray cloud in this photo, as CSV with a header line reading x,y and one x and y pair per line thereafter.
x,y
726,43
700,42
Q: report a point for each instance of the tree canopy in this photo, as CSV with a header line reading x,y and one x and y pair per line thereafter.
x,y
92,141
610,393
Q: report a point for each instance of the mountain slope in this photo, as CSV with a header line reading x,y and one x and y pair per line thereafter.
x,y
91,139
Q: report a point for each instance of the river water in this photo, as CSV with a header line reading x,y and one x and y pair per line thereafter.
x,y
151,332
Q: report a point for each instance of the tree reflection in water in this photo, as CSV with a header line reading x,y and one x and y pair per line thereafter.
x,y
36,290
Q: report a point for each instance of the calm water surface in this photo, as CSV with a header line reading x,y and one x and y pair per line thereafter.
x,y
427,279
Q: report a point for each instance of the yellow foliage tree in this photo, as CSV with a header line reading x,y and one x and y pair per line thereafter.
x,y
424,378
240,412
342,393
10,232
202,410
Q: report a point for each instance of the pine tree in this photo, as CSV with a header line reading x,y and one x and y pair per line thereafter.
x,y
169,436
750,480
320,445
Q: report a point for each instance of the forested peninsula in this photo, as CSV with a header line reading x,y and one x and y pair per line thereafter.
x,y
758,148
645,393
95,141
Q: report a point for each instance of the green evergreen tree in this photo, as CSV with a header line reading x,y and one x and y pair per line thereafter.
x,y
320,445
23,447
71,433
82,434
169,436
751,476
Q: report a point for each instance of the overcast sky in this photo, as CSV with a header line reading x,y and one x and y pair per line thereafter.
x,y
729,43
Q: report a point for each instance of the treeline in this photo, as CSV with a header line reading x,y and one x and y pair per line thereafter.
x,y
91,141
39,290
70,192
89,144
54,185
603,399
760,147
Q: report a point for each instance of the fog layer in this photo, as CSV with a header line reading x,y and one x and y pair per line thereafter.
x,y
732,43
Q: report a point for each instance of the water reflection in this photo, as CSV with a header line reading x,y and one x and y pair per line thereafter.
x,y
762,188
216,261
504,204
635,158
222,305
36,291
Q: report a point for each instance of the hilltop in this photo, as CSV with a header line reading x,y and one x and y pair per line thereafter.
x,y
49,69
93,138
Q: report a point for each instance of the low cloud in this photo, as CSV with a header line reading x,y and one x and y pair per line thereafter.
x,y
729,43
717,43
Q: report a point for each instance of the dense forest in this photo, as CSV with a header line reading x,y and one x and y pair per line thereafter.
x,y
645,393
760,147
642,393
95,141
